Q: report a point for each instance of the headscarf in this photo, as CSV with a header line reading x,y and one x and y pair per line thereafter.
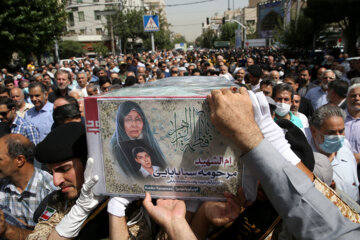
x,y
129,166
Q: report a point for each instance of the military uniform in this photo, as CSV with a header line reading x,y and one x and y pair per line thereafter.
x,y
52,210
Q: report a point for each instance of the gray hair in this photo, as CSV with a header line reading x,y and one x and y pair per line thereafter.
x,y
77,75
355,80
324,112
327,71
352,87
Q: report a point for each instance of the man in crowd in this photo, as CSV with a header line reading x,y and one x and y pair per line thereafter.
x,y
336,94
255,74
63,80
283,95
267,86
328,138
22,186
352,121
17,124
41,114
295,104
18,96
81,79
304,82
275,76
64,151
318,95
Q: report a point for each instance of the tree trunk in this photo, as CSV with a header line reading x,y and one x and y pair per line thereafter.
x,y
351,34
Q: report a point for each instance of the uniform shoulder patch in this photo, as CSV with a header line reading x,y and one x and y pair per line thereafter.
x,y
48,212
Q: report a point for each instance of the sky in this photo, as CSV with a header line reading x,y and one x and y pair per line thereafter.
x,y
187,19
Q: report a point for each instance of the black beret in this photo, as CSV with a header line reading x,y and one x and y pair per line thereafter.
x,y
63,143
298,143
255,70
4,129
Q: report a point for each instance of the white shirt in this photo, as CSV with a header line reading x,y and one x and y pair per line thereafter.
x,y
146,173
303,118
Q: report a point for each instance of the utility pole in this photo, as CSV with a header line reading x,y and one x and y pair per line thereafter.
x,y
297,12
112,37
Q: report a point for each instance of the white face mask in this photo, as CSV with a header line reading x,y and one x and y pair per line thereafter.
x,y
282,109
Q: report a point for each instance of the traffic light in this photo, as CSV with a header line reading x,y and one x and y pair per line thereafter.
x,y
207,21
223,20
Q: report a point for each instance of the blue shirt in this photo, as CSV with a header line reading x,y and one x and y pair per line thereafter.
x,y
317,97
352,132
23,127
42,120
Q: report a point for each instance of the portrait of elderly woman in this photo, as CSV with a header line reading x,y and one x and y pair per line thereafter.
x,y
132,127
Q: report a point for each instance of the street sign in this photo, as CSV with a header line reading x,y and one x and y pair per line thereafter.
x,y
151,23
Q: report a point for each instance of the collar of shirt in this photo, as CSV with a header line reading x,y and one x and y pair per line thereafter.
x,y
47,107
30,187
15,122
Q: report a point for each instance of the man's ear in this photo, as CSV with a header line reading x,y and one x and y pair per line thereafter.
x,y
20,161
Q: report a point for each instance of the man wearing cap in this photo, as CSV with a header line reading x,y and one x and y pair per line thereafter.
x,y
64,212
255,74
22,186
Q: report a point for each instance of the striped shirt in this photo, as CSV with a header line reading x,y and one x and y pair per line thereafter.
x,y
23,205
23,127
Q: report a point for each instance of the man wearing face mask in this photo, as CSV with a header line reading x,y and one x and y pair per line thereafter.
x,y
283,94
328,137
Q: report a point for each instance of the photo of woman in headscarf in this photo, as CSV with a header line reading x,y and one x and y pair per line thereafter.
x,y
132,127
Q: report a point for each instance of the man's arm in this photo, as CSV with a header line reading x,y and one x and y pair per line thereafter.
x,y
307,214
357,157
170,214
11,232
118,228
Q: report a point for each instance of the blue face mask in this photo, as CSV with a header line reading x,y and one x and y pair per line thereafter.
x,y
332,143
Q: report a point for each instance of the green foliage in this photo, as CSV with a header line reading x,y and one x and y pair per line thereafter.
x,y
100,49
206,39
228,32
178,38
29,26
69,49
345,13
297,36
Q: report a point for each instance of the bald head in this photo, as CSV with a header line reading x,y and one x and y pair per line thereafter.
x,y
17,95
18,145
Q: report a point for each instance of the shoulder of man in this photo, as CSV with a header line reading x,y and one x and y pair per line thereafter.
x,y
51,204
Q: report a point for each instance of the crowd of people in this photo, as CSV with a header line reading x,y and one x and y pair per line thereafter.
x,y
294,115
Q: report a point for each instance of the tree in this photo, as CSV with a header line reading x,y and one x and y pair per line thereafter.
x,y
128,24
29,26
178,38
297,35
206,39
69,49
100,49
228,32
345,13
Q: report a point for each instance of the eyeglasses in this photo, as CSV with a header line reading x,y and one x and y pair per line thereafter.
x,y
131,121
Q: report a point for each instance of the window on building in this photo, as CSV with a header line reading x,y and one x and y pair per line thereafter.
x,y
82,31
109,0
81,16
96,0
71,19
97,15
250,22
79,1
99,31
72,32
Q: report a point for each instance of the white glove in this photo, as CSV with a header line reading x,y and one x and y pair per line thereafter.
x,y
273,133
70,225
117,205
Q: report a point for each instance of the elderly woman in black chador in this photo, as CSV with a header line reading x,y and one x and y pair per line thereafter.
x,y
132,128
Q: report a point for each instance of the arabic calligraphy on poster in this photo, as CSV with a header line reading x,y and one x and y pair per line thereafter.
x,y
192,131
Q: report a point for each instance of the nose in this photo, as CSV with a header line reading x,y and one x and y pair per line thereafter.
x,y
58,179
